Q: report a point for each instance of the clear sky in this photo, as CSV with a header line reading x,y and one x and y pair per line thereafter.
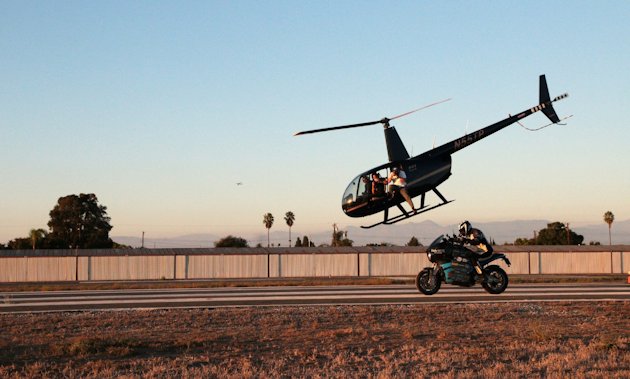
x,y
161,107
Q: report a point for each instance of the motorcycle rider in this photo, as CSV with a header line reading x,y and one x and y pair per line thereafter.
x,y
473,236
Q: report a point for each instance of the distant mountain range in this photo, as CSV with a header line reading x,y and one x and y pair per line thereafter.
x,y
425,231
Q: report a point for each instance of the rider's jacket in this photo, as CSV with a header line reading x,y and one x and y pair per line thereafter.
x,y
476,238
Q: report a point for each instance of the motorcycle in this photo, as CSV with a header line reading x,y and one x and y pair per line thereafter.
x,y
452,264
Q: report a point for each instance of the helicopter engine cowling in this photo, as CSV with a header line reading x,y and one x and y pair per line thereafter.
x,y
427,174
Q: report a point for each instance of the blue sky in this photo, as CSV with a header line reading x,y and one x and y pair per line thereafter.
x,y
160,108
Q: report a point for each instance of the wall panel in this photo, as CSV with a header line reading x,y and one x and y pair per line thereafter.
x,y
85,265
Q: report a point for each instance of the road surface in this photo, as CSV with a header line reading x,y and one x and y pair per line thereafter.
x,y
55,301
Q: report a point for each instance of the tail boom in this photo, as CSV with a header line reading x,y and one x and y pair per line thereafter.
x,y
545,106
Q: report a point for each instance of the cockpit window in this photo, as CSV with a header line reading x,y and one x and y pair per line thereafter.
x,y
364,189
350,194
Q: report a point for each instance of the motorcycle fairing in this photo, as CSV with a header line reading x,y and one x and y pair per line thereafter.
x,y
459,273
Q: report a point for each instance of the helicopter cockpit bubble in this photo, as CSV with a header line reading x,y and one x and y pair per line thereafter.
x,y
362,194
353,195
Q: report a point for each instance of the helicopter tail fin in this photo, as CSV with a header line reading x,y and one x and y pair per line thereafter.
x,y
546,103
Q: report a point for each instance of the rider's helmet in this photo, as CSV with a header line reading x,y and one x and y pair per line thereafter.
x,y
464,228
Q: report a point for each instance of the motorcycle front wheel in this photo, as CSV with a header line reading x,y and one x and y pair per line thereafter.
x,y
495,280
427,282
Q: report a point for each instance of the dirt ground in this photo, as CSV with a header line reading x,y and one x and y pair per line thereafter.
x,y
572,339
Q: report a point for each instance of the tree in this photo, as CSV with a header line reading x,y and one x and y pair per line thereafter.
x,y
289,217
231,241
121,246
345,241
268,222
524,241
298,242
413,242
37,239
20,244
79,222
340,238
306,242
609,217
37,236
557,233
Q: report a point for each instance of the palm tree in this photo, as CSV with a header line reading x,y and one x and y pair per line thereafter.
x,y
37,235
268,222
289,217
609,217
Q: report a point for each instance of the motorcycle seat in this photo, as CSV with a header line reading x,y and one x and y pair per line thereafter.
x,y
486,257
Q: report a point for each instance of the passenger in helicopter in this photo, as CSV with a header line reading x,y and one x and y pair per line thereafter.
x,y
378,186
397,180
366,185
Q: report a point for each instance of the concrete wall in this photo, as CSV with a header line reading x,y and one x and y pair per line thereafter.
x,y
144,264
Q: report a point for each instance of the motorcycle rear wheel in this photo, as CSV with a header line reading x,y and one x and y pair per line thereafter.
x,y
495,280
427,282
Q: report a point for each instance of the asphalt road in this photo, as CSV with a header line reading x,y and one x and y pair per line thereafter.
x,y
56,301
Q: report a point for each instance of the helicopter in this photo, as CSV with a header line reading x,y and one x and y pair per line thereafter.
x,y
424,172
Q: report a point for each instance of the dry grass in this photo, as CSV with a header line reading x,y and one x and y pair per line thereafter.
x,y
465,341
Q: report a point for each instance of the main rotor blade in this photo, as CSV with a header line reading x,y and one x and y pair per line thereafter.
x,y
385,121
419,109
338,127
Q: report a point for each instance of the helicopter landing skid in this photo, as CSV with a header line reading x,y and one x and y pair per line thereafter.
x,y
407,215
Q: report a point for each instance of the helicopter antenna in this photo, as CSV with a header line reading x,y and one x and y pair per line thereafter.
x,y
385,121
546,105
544,126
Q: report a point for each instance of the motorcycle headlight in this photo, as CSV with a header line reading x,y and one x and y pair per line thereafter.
x,y
429,255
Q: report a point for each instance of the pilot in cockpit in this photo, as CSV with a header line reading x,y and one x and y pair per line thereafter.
x,y
366,186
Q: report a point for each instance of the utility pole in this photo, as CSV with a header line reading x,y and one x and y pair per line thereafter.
x,y
568,235
142,240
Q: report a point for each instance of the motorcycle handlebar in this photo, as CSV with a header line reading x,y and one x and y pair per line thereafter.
x,y
455,239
